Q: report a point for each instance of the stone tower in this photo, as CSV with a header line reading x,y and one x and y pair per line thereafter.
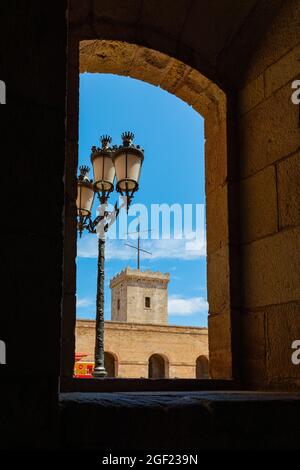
x,y
140,297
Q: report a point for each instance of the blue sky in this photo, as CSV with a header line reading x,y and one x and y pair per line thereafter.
x,y
172,134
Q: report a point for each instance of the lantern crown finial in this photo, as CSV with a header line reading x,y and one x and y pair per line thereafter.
x,y
105,141
84,172
127,138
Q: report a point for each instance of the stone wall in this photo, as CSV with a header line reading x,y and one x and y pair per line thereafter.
x,y
32,149
132,345
269,142
237,128
218,40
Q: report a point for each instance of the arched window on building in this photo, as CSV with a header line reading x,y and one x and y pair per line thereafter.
x,y
202,368
110,362
157,367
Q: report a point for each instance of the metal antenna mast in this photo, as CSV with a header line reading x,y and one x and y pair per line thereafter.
x,y
138,247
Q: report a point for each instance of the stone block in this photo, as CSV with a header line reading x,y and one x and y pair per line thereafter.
x,y
281,36
218,280
203,104
215,151
283,327
288,172
269,132
219,332
253,346
175,76
271,269
217,219
258,205
220,364
251,95
283,71
193,88
150,66
106,56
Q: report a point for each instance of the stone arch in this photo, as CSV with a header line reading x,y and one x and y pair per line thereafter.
x,y
156,68
158,366
188,84
111,364
202,367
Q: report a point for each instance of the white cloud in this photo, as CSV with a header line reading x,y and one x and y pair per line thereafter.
x,y
84,302
186,306
160,249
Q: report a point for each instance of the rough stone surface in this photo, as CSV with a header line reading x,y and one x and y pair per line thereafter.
x,y
289,191
128,292
258,205
186,420
269,132
218,280
283,328
216,166
253,333
278,40
154,67
217,210
271,268
252,94
219,330
283,71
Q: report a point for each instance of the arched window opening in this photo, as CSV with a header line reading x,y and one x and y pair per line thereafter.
x,y
157,367
202,368
143,310
110,363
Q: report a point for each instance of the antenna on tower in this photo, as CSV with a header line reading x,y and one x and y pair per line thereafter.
x,y
138,247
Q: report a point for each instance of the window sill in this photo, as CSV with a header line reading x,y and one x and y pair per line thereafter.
x,y
144,385
179,420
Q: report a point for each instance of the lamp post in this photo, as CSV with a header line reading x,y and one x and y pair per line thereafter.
x,y
123,163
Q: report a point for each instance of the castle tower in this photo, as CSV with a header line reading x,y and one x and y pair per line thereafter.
x,y
140,297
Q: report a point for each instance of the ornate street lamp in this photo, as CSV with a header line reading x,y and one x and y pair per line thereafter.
x,y
128,160
125,163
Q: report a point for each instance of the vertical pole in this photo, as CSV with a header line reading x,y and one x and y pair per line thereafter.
x,y
138,250
99,368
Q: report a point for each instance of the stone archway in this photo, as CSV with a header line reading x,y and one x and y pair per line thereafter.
x,y
157,367
188,84
202,367
111,364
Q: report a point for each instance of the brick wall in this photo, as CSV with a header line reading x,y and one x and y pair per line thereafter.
x,y
132,344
